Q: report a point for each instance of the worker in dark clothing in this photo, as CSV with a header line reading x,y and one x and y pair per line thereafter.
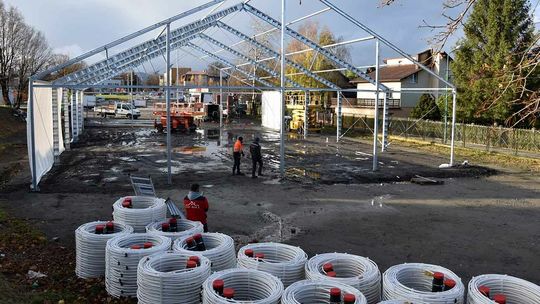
x,y
256,157
196,206
238,152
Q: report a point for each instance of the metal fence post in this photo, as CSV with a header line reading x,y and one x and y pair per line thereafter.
x,y
463,130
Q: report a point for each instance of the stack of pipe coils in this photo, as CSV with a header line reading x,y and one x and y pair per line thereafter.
x,y
422,283
284,261
217,247
498,288
122,257
139,211
90,241
356,271
171,278
175,228
322,291
242,286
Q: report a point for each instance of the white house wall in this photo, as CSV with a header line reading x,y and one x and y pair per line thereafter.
x,y
371,95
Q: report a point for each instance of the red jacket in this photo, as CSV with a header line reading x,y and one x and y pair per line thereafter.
x,y
196,209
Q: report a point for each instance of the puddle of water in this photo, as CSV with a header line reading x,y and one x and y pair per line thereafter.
x,y
144,133
276,181
127,159
190,150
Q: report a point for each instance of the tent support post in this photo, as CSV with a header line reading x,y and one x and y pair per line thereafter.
x,y
168,100
376,110
282,89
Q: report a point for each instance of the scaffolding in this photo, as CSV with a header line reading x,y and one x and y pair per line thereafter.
x,y
188,38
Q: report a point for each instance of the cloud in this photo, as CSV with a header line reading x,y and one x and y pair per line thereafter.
x,y
72,50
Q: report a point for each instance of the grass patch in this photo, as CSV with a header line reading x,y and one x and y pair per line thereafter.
x,y
114,97
474,155
26,248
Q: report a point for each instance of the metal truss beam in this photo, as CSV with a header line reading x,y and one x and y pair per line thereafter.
x,y
108,46
149,46
276,54
246,58
259,14
229,64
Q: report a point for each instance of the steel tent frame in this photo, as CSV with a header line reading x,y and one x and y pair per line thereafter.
x,y
184,36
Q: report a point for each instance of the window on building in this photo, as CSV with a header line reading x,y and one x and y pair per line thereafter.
x,y
414,78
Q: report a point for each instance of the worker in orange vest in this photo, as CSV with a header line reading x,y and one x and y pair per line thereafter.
x,y
238,152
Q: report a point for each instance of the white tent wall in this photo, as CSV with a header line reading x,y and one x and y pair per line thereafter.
x,y
44,132
271,109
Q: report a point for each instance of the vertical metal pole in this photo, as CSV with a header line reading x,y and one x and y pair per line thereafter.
x,y
452,143
177,80
385,123
306,114
338,116
282,90
168,100
376,113
220,106
32,133
446,100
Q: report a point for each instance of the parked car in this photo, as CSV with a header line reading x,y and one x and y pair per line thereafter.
x,y
118,109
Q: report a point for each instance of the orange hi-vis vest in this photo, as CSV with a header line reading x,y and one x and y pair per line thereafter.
x,y
238,146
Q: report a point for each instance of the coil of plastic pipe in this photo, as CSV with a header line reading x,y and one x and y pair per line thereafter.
x,y
284,261
356,271
242,286
183,228
395,302
486,288
322,291
171,278
219,249
414,282
139,211
122,257
90,242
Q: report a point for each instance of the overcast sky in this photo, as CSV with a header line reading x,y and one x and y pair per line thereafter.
x,y
74,27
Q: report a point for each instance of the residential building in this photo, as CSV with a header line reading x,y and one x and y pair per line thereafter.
x,y
176,74
398,74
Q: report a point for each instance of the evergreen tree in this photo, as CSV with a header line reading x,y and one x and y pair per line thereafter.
x,y
426,108
496,34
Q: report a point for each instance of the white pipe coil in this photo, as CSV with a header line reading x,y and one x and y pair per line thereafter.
x,y
395,302
284,261
185,228
145,210
219,250
250,286
516,290
90,248
164,278
413,282
121,261
356,271
318,291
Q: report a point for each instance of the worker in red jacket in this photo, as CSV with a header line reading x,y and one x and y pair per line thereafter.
x,y
196,206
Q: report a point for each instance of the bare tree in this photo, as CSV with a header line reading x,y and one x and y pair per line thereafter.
x,y
12,30
34,55
57,59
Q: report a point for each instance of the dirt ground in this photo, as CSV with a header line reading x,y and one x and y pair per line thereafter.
x,y
479,221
